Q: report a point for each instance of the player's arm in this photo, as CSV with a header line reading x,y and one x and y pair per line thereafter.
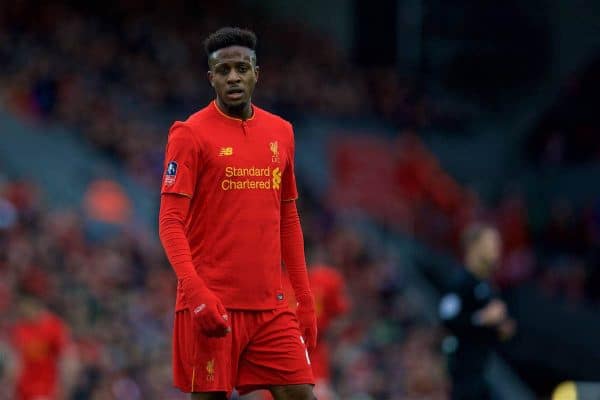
x,y
495,316
292,254
492,314
459,319
181,164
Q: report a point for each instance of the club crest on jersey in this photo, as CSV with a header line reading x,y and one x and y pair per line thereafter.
x,y
274,146
170,173
210,370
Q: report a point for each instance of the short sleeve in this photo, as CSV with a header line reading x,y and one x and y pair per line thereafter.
x,y
288,180
181,162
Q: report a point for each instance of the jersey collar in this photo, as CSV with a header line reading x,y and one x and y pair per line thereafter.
x,y
233,119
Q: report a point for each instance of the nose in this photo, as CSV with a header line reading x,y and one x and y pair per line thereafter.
x,y
233,76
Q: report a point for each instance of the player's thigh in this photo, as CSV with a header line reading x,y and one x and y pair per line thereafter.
x,y
276,356
209,396
293,392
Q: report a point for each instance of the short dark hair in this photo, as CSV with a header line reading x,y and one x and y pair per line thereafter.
x,y
229,36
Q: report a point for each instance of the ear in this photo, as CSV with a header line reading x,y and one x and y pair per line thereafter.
x,y
209,75
256,71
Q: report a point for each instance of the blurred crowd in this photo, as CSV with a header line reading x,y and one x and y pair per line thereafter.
x,y
120,74
115,296
568,132
555,249
114,290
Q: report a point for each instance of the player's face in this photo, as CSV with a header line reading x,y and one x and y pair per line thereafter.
x,y
490,246
233,74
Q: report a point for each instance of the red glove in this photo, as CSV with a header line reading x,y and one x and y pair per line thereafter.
x,y
307,320
208,313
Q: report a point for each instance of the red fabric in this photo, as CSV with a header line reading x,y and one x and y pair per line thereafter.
x,y
292,249
39,344
263,349
236,174
171,229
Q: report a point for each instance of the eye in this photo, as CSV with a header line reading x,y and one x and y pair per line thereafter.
x,y
243,68
222,70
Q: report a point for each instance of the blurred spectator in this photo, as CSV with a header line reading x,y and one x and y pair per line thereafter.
x,y
107,208
45,360
474,314
106,201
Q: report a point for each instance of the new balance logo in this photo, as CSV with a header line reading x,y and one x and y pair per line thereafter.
x,y
226,151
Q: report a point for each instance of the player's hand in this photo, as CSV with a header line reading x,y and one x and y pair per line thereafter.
x,y
211,317
208,313
507,329
307,320
492,314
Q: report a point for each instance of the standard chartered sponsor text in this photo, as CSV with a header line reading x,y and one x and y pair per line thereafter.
x,y
231,183
251,171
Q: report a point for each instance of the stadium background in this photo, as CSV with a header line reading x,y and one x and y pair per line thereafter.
x,y
413,118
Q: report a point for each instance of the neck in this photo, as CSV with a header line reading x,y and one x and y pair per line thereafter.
x,y
243,111
475,267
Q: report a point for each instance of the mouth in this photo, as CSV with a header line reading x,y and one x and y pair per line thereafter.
x,y
234,94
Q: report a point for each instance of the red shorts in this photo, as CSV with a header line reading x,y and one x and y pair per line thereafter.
x,y
263,349
319,359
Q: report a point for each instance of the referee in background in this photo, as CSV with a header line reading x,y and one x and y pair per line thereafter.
x,y
474,314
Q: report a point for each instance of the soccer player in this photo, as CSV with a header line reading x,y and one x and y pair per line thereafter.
x,y
228,219
46,362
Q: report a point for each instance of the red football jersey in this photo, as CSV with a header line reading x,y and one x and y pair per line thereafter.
x,y
39,344
236,174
